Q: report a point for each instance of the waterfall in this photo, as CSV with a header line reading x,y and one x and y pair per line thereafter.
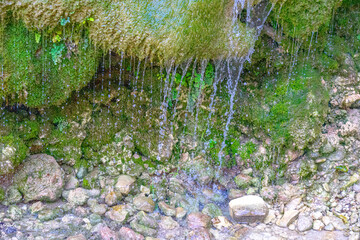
x,y
234,67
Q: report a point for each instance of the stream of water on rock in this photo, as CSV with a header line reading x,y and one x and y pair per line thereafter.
x,y
156,134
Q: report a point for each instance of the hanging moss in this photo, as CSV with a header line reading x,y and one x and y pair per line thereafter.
x,y
163,30
300,18
39,72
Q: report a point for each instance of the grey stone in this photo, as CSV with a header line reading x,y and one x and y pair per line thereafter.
x,y
304,223
49,214
36,207
8,157
15,213
166,209
318,225
235,193
329,227
12,196
144,219
99,209
71,183
107,234
242,180
78,196
143,203
338,155
94,219
168,223
180,212
77,237
147,231
81,172
248,209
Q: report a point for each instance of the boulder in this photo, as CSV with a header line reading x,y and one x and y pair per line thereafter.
x,y
248,209
40,178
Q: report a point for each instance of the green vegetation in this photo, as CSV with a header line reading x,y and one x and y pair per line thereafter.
x,y
289,109
41,73
300,18
14,150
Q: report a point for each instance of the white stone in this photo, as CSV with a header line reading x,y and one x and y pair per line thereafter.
x,y
318,225
316,215
248,209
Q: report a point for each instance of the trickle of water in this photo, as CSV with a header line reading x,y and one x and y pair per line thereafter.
x,y
190,109
121,68
234,67
134,122
164,106
219,65
198,101
184,71
143,78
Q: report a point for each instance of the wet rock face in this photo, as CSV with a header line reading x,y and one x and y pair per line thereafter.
x,y
7,153
12,152
40,178
248,209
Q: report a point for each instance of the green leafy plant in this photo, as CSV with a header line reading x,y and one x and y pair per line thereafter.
x,y
61,123
37,37
64,21
246,150
56,53
342,168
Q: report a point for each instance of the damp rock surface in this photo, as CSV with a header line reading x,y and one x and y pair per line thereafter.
x,y
40,178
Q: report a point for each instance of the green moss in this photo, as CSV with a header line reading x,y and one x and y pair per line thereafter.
x,y
65,144
31,75
8,122
289,109
165,31
247,149
14,157
28,129
300,18
2,195
307,168
86,184
101,130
